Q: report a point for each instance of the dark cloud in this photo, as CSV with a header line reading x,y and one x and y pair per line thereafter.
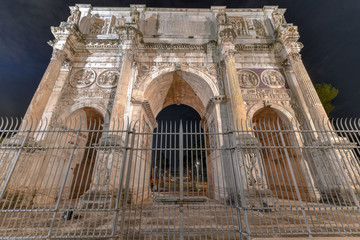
x,y
329,30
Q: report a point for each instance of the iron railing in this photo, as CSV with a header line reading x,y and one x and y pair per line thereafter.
x,y
82,179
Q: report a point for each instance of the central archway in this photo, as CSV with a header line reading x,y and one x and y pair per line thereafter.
x,y
197,91
178,161
177,87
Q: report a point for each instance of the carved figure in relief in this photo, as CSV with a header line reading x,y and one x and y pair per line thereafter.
x,y
272,78
248,79
250,24
83,78
95,28
74,15
239,25
108,79
222,17
134,14
278,17
97,25
259,28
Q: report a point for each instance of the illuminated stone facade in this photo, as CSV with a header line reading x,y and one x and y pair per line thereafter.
x,y
231,65
132,62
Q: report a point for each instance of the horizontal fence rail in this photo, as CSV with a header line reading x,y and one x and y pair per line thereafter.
x,y
85,178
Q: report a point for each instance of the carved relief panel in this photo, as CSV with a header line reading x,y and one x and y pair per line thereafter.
x,y
108,79
82,87
264,85
82,78
244,26
248,79
273,79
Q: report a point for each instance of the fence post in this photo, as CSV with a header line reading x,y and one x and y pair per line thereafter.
x,y
242,193
16,160
294,179
181,156
64,180
331,139
121,177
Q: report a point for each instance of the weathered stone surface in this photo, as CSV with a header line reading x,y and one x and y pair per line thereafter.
x,y
233,66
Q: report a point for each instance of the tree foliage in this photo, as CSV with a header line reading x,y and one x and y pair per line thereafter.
x,y
326,93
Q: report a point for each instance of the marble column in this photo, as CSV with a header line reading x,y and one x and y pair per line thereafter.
x,y
46,86
314,105
117,113
58,88
237,101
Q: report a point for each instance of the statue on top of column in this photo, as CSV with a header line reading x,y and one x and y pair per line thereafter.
x,y
74,15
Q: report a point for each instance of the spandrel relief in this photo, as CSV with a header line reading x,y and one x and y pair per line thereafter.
x,y
83,78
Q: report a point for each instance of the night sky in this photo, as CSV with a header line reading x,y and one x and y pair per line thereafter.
x,y
329,30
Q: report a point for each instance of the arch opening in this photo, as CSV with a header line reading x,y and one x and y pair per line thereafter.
x,y
178,87
84,162
178,159
281,157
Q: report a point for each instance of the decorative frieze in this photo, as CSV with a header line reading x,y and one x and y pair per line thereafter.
x,y
172,47
253,47
102,43
266,93
88,93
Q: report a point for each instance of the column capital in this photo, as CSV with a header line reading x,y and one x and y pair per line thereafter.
x,y
58,54
67,64
292,57
228,52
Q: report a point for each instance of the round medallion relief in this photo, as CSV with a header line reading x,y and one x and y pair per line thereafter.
x,y
108,79
248,79
83,78
273,79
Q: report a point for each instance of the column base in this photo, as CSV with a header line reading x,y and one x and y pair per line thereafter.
x,y
259,199
338,196
97,199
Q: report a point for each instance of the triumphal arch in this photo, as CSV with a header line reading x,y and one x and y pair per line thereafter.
x,y
227,64
264,135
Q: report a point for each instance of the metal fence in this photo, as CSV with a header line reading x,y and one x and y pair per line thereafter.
x,y
82,179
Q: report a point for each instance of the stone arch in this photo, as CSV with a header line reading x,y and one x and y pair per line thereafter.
x,y
82,166
210,80
105,112
283,161
284,112
156,86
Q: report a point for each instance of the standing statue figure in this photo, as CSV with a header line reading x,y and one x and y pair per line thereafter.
x,y
134,14
74,15
278,17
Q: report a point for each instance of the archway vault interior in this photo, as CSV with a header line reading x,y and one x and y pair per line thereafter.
x,y
178,87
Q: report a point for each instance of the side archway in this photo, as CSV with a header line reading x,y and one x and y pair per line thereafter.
x,y
83,163
284,167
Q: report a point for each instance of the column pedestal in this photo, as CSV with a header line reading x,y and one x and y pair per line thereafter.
x,y
106,177
252,179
